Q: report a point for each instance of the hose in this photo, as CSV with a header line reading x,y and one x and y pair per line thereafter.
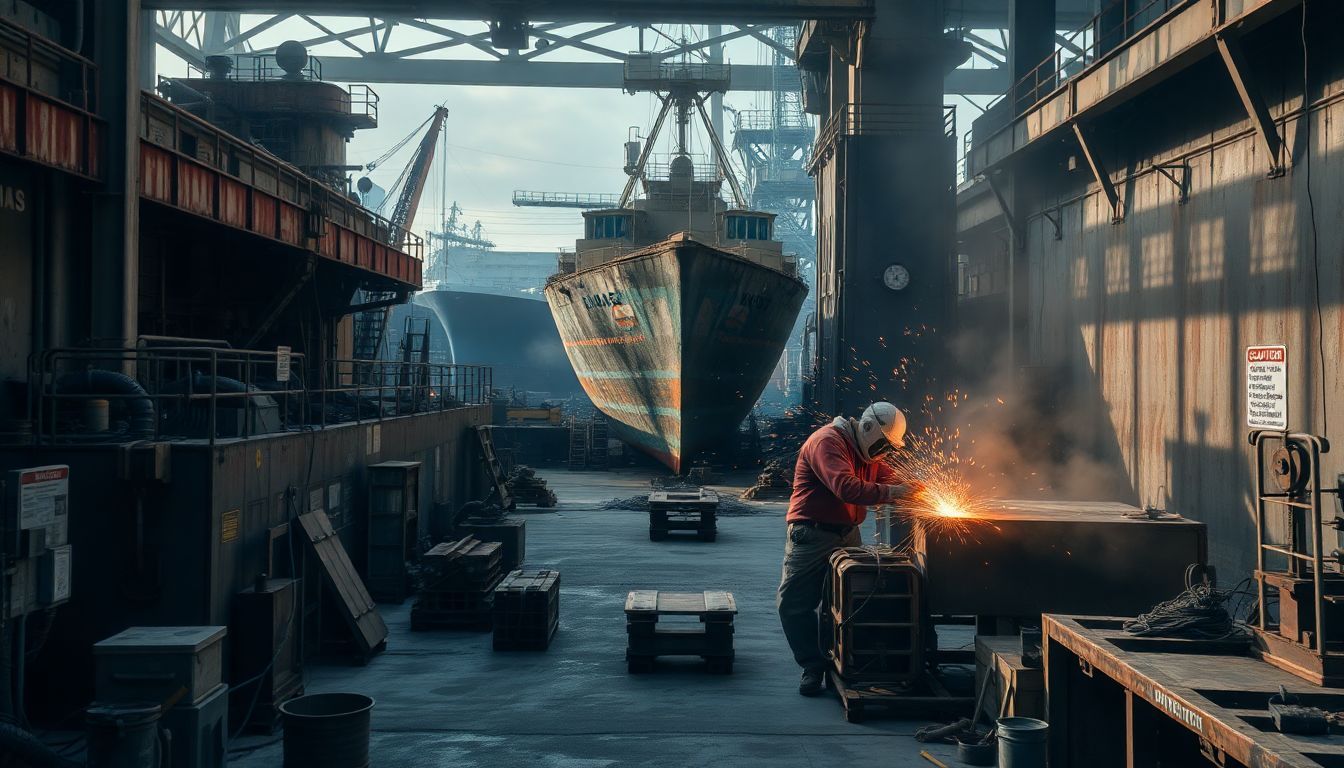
x,y
98,382
18,743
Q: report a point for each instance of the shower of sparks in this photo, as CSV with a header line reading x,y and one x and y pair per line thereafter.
x,y
945,506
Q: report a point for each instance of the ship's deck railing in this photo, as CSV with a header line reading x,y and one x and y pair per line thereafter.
x,y
203,390
1077,50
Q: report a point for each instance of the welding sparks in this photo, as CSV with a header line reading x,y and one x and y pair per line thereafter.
x,y
945,506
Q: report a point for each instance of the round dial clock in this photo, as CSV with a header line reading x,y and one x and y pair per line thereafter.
x,y
896,277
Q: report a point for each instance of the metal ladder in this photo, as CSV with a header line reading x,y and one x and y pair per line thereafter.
x,y
494,469
597,444
578,445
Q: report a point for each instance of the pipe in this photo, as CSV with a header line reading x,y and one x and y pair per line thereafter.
x,y
98,382
16,742
77,41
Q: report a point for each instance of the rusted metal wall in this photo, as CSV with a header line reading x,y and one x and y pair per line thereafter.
x,y
1150,317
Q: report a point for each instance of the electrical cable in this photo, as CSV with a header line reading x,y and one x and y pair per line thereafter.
x,y
1200,612
1305,127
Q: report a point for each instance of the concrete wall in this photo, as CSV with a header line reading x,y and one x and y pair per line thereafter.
x,y
1148,319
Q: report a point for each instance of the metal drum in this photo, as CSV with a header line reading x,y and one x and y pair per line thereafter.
x,y
124,736
327,730
1022,742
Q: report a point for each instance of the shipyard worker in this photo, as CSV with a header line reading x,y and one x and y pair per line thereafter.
x,y
840,473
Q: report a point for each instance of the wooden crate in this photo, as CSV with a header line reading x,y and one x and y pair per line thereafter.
x,y
711,639
526,610
510,533
462,609
877,621
1015,690
467,564
693,510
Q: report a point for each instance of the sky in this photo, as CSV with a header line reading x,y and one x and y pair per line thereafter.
x,y
501,139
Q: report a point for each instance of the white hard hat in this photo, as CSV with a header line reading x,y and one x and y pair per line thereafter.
x,y
880,429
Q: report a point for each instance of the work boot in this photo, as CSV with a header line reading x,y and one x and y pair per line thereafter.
x,y
812,682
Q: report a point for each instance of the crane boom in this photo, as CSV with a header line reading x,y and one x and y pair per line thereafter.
x,y
409,199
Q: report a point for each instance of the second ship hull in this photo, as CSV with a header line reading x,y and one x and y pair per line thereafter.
x,y
675,343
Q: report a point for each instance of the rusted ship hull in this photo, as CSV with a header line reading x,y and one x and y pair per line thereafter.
x,y
675,343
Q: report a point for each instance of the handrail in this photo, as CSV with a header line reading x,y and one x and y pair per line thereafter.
x,y
883,119
308,193
1083,47
84,97
194,389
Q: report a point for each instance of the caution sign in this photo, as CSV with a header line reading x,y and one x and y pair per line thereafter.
x,y
1267,387
282,361
44,493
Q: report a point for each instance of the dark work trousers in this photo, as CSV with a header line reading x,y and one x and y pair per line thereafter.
x,y
807,555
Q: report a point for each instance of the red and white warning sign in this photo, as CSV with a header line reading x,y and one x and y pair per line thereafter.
x,y
1267,387
44,494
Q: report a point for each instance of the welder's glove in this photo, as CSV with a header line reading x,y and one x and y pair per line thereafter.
x,y
903,491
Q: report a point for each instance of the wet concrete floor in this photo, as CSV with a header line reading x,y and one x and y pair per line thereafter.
x,y
446,699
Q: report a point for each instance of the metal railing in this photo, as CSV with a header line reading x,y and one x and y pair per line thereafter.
x,y
659,168
68,77
202,391
650,72
1079,49
884,119
768,120
259,168
565,199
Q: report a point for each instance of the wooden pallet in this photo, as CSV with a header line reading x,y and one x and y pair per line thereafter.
x,y
923,699
527,610
692,510
711,639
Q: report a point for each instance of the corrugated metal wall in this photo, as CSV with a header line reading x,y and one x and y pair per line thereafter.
x,y
1152,315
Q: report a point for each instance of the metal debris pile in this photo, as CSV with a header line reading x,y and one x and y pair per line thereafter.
x,y
775,483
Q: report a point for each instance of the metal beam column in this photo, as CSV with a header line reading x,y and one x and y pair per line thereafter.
x,y
892,205
1031,40
1235,61
1102,176
115,263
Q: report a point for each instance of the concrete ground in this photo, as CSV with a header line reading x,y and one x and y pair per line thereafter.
x,y
445,698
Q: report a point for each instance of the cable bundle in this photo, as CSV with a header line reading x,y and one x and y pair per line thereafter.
x,y
1199,612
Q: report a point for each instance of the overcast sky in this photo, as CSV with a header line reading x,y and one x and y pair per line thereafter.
x,y
500,139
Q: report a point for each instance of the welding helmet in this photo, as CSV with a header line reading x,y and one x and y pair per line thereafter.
x,y
880,430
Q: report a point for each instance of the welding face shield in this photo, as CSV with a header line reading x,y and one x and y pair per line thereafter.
x,y
880,431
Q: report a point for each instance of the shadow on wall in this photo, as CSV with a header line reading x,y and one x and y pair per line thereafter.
x,y
1032,432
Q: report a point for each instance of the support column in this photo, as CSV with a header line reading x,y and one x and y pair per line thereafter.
x,y
897,205
1031,40
116,207
716,98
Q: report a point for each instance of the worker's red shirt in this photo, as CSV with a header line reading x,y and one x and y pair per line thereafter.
x,y
832,483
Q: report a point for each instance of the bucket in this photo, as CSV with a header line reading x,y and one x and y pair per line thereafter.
x,y
1022,742
124,736
327,730
974,752
95,415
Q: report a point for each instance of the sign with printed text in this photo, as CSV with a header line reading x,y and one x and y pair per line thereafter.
x,y
44,493
282,355
1267,387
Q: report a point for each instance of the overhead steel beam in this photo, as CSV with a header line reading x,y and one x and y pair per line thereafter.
x,y
573,74
633,11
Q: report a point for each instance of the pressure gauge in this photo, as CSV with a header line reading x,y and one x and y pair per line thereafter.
x,y
896,277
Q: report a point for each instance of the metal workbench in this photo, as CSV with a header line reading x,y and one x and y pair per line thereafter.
x,y
1118,700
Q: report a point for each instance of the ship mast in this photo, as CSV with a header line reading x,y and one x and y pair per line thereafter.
x,y
681,86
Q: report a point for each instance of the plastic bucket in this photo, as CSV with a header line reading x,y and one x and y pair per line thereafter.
x,y
1022,742
123,735
327,730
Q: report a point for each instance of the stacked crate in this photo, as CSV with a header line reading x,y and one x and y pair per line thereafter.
x,y
694,510
179,668
876,616
457,585
510,533
527,610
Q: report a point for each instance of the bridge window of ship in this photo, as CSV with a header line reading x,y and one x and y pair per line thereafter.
x,y
611,227
739,227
